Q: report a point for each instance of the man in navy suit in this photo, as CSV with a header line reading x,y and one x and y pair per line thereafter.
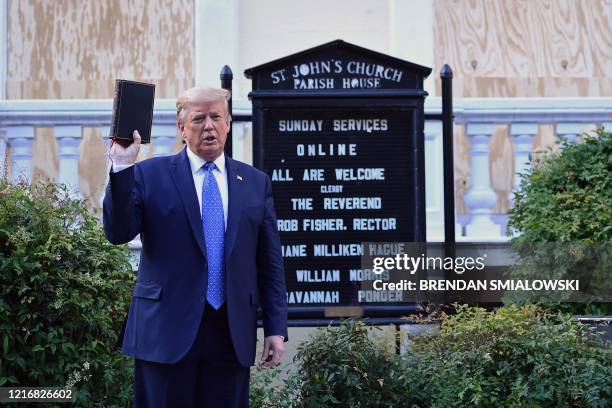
x,y
211,255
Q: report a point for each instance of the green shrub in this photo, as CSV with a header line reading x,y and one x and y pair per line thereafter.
x,y
563,217
64,291
268,390
566,196
337,366
513,357
342,366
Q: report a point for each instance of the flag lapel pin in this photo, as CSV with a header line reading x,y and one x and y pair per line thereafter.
x,y
239,177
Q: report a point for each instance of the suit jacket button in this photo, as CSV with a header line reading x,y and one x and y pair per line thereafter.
x,y
202,299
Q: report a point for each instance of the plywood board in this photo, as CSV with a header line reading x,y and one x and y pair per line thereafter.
x,y
520,48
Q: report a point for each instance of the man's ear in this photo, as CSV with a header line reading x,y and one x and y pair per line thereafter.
x,y
181,128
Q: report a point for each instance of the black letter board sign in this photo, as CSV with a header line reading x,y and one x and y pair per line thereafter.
x,y
339,130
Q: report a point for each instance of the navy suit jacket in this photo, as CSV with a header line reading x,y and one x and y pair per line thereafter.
x,y
156,198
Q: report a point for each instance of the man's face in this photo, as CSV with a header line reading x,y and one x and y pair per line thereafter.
x,y
204,128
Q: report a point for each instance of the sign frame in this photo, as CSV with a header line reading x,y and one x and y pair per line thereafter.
x,y
265,97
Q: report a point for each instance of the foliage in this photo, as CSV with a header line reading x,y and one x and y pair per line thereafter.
x,y
64,293
513,357
340,366
562,220
566,196
269,390
343,367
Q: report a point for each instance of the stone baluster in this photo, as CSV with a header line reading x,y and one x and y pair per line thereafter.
x,y
163,138
481,198
68,139
572,132
3,158
523,135
242,141
21,139
104,132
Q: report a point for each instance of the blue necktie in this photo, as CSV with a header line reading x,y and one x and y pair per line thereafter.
x,y
213,222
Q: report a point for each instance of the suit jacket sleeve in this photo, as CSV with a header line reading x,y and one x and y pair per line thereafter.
x,y
271,274
122,207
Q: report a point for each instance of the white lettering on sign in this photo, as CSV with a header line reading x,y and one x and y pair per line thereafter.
x,y
293,251
379,296
315,68
386,249
281,175
360,174
301,125
313,83
287,225
367,125
278,76
301,204
324,275
338,250
313,175
374,70
374,224
364,74
323,224
313,296
360,83
331,149
331,189
352,203
359,275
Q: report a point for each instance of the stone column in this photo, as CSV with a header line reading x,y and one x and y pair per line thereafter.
x,y
68,139
523,135
572,132
21,139
481,198
163,138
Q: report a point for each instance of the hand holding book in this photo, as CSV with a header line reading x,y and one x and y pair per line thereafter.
x,y
121,154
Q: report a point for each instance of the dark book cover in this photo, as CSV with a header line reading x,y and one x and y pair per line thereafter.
x,y
132,110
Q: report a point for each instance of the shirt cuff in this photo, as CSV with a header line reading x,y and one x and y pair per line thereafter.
x,y
277,335
118,167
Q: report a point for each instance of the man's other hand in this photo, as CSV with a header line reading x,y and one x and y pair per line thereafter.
x,y
122,155
273,350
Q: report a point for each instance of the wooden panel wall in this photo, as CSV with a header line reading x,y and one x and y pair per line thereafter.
x,y
520,48
76,49
525,47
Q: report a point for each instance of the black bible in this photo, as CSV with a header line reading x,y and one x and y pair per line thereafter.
x,y
132,110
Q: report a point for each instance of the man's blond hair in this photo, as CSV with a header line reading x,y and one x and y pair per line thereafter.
x,y
202,94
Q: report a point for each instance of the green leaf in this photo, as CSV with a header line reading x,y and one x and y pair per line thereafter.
x,y
48,241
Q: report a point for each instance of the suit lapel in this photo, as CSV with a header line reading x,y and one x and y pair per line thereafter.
x,y
181,174
236,198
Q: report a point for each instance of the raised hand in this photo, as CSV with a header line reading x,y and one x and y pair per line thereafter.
x,y
120,154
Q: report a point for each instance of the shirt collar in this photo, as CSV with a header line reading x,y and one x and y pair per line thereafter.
x,y
196,162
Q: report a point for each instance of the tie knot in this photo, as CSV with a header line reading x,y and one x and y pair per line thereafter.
x,y
209,166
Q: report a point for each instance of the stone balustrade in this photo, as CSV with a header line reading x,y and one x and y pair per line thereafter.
x,y
494,140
